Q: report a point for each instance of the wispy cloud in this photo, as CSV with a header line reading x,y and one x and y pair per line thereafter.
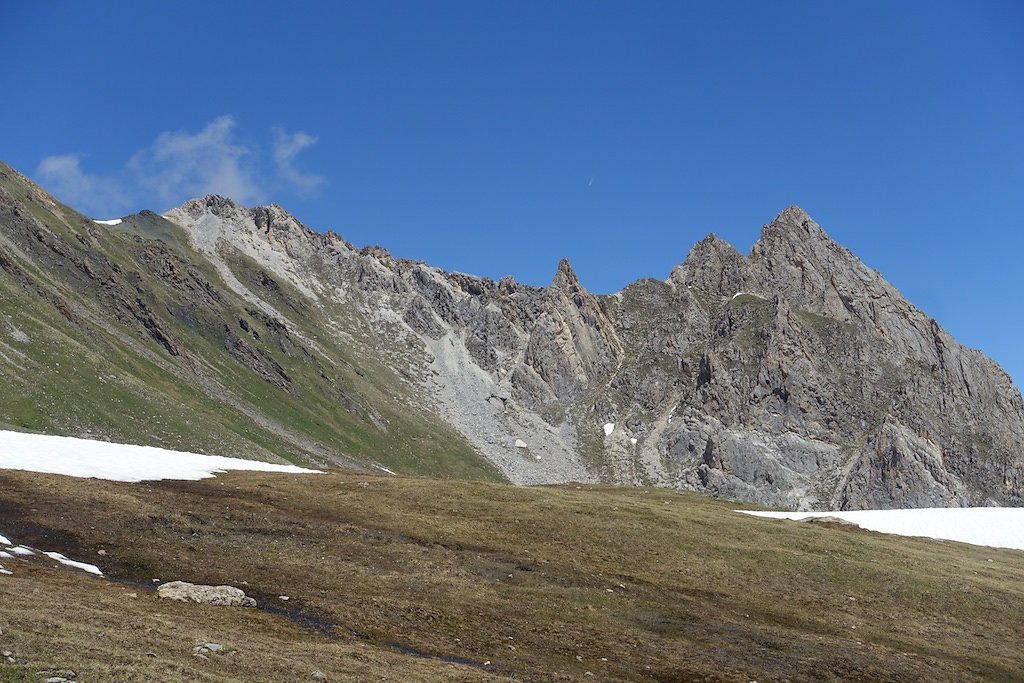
x,y
286,147
63,176
181,164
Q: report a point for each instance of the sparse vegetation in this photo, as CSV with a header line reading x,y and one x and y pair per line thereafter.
x,y
744,298
826,326
394,578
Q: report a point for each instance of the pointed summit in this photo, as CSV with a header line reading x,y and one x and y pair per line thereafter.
x,y
796,258
793,238
792,224
794,231
712,244
565,277
713,265
792,214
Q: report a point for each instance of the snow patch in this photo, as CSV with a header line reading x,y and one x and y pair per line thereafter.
x,y
25,551
385,469
633,440
117,462
609,427
994,527
5,572
113,221
4,540
84,566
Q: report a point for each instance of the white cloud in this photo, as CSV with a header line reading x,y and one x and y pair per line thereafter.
x,y
63,176
286,147
180,165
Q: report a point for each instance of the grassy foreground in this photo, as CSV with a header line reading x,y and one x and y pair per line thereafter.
x,y
407,579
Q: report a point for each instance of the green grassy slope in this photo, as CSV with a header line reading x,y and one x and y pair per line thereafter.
x,y
126,333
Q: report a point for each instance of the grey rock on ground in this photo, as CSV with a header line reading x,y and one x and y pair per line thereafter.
x,y
183,591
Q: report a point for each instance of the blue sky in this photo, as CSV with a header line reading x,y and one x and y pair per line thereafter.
x,y
497,137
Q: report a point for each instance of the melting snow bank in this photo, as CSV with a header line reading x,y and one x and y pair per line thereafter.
x,y
994,527
113,221
14,551
117,462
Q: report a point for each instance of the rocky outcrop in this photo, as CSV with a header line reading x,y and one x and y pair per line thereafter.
x,y
898,468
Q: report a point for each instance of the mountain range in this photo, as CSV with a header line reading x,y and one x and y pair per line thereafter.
x,y
794,376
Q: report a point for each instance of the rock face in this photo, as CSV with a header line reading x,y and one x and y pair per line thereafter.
x,y
227,596
794,376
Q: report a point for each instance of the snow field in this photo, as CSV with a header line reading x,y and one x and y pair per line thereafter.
x,y
117,462
994,527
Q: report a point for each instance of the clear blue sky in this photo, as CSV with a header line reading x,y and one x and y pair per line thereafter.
x,y
496,137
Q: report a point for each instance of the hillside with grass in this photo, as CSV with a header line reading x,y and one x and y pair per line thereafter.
x,y
366,577
125,333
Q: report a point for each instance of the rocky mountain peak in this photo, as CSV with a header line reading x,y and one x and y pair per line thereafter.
x,y
214,204
713,265
793,216
792,230
797,259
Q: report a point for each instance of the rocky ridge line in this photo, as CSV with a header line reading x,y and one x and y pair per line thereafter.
x,y
795,376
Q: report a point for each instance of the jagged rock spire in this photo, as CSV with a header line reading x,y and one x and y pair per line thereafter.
x,y
565,277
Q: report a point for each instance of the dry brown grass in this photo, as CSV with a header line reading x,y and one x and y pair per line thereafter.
x,y
543,583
